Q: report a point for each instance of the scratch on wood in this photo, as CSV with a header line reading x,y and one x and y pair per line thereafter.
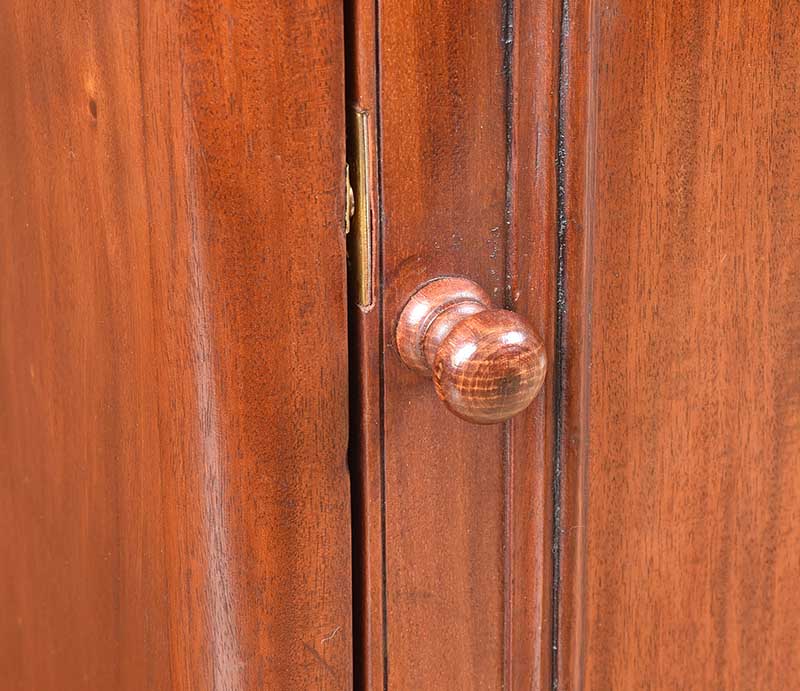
x,y
331,635
322,662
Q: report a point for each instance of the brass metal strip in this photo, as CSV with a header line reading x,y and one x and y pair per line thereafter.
x,y
359,239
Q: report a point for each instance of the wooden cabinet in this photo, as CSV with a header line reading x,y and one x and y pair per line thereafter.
x,y
217,468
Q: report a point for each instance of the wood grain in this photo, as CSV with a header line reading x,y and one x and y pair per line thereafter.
x,y
174,505
430,314
502,375
532,66
693,532
487,364
466,149
571,367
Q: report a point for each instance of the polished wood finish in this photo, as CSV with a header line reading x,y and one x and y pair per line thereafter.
x,y
455,516
487,364
174,504
174,507
693,530
502,374
576,170
430,314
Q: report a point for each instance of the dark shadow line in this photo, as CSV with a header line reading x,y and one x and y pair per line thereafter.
x,y
379,222
559,346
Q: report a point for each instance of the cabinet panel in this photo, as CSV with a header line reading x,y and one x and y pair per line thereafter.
x,y
692,483
174,503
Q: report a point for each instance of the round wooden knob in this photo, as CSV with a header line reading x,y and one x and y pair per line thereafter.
x,y
487,364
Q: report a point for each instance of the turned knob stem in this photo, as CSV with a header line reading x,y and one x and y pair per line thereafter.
x,y
487,364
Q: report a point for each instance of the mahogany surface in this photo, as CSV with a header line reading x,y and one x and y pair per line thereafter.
x,y
174,495
686,572
174,504
456,517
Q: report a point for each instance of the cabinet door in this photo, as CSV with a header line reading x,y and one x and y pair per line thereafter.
x,y
455,517
680,501
174,496
625,175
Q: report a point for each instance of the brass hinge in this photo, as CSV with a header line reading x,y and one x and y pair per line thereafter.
x,y
359,221
350,202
